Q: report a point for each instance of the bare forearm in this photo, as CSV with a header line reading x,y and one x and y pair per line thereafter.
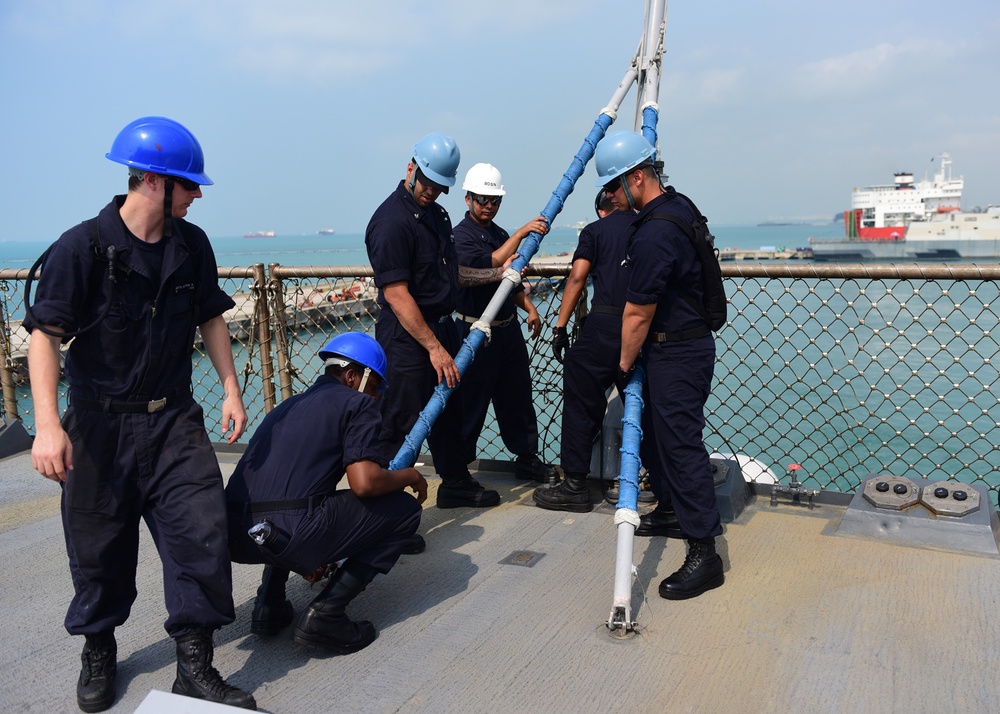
x,y
406,310
635,326
367,479
471,277
43,367
218,345
575,284
501,254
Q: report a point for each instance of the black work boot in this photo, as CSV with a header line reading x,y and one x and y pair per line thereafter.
x,y
198,679
573,494
701,571
414,544
271,610
95,691
661,521
532,468
324,623
455,493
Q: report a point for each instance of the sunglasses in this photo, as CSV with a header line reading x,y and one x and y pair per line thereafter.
x,y
612,186
430,184
486,200
185,183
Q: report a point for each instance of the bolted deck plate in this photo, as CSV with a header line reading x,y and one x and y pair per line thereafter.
x,y
921,525
525,558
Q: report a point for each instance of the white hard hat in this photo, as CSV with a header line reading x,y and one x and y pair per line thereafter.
x,y
484,180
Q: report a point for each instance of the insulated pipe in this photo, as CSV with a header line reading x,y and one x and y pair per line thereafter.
x,y
650,115
628,494
626,512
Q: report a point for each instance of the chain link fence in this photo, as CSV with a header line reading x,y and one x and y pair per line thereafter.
x,y
846,370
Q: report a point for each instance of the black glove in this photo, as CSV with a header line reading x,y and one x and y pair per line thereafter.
x,y
560,343
623,378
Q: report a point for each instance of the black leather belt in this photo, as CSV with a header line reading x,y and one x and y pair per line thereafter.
x,y
679,336
607,309
118,406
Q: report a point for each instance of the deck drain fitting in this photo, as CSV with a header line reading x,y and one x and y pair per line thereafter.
x,y
524,558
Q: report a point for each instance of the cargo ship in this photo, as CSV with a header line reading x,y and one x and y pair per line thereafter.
x,y
259,234
914,220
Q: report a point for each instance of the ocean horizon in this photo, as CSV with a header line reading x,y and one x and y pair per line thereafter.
x,y
349,248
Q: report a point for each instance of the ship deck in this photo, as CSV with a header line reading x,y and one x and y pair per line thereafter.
x,y
807,620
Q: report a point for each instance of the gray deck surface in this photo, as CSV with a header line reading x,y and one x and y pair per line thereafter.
x,y
807,621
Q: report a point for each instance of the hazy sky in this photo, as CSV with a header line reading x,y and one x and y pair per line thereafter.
x,y
307,111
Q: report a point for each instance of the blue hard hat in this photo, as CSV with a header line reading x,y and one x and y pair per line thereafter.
x,y
437,156
162,146
357,347
619,153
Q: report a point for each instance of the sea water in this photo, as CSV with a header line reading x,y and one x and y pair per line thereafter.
x,y
349,250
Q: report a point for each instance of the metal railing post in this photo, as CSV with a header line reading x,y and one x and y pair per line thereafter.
x,y
276,292
7,367
262,327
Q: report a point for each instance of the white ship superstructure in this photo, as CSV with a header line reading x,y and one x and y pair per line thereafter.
x,y
894,206
908,220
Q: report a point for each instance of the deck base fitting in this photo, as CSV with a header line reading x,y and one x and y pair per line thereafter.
x,y
619,626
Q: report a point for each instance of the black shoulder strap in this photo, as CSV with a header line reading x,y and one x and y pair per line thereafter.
x,y
696,305
199,284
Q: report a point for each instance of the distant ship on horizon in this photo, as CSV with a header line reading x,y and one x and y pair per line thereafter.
x,y
325,232
259,234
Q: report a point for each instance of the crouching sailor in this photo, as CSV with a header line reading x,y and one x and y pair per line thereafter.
x,y
285,509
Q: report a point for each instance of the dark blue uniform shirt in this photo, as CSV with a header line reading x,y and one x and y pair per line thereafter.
x,y
142,349
305,444
407,242
475,244
664,265
603,244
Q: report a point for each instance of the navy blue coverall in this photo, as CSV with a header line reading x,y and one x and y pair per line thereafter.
x,y
407,242
664,267
501,369
590,365
289,474
130,460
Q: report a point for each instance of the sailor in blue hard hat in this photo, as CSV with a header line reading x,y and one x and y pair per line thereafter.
x,y
661,318
412,252
164,148
132,444
288,477
433,168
